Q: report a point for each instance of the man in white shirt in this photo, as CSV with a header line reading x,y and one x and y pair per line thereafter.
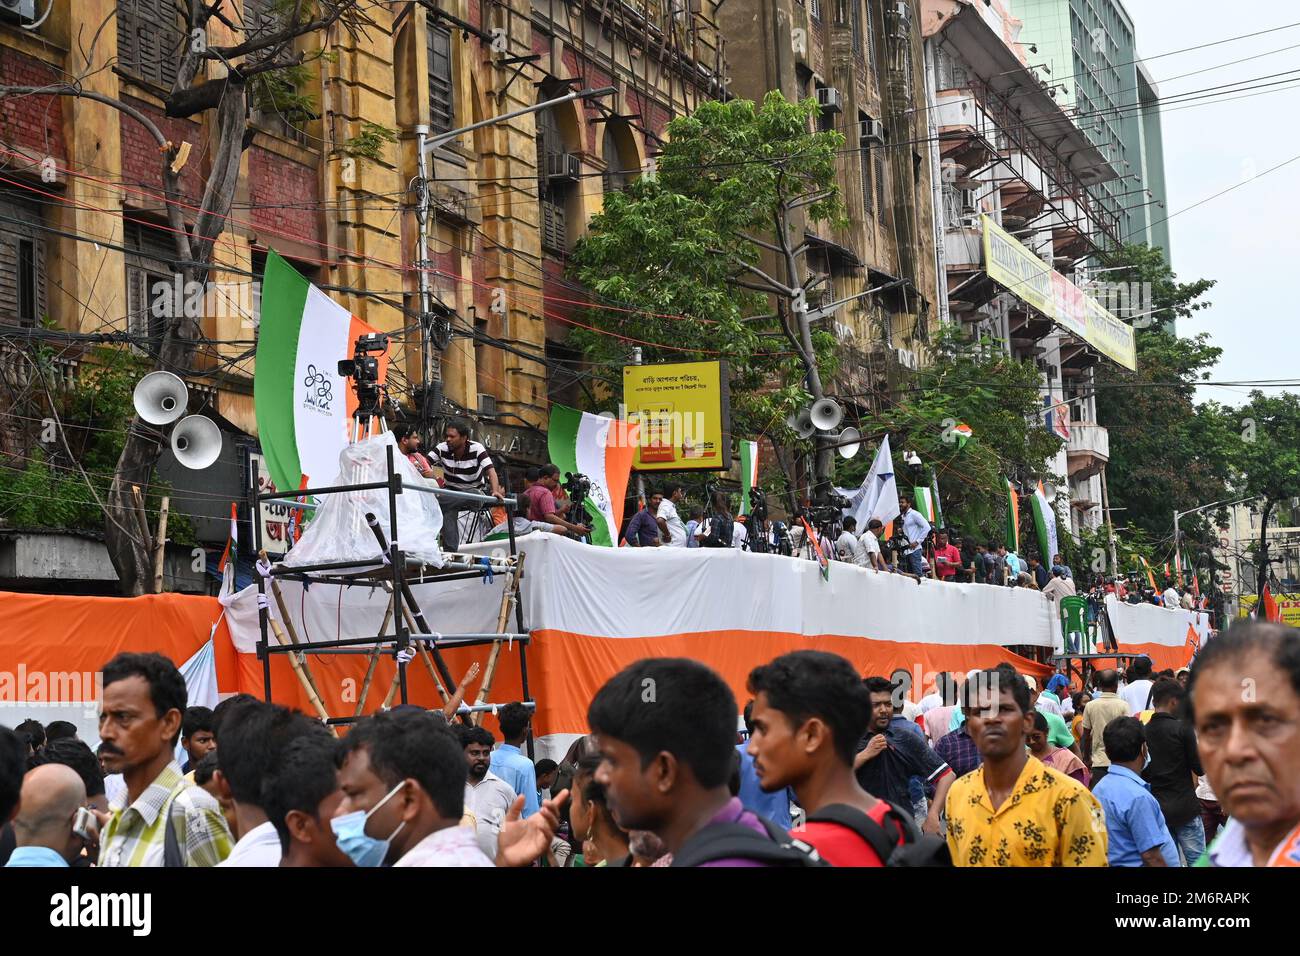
x,y
671,528
253,738
739,533
1139,685
1060,586
487,796
847,546
870,542
1170,598
916,528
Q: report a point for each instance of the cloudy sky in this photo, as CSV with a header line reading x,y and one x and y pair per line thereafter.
x,y
1249,239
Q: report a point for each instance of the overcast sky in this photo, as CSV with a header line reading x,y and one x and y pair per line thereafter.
x,y
1249,239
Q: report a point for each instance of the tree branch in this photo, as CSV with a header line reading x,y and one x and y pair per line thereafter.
x,y
759,242
71,90
773,285
284,35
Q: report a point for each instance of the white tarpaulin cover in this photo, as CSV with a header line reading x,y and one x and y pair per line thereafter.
x,y
338,530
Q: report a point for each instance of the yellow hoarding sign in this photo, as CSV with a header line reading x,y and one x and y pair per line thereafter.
x,y
684,412
1287,604
1014,267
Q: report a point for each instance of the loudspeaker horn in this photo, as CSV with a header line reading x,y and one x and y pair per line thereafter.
x,y
196,442
826,414
160,398
849,441
801,423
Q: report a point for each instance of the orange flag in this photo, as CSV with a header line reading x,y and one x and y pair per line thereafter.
x,y
1271,610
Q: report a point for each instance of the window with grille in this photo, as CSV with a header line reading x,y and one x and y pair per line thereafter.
x,y
442,104
149,40
22,261
855,18
615,177
150,283
864,171
815,8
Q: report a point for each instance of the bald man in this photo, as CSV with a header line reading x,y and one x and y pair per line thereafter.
x,y
46,811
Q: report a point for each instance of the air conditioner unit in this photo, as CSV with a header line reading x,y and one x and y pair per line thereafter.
x,y
487,405
829,99
902,12
871,132
906,358
969,203
18,9
564,167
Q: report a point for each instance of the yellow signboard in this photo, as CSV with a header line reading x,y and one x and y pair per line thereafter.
x,y
1287,604
684,412
1014,267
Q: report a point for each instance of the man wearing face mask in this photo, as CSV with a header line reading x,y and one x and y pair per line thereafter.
x,y
1137,829
403,782
51,796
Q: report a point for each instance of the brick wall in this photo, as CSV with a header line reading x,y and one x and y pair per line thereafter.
x,y
34,123
142,163
283,194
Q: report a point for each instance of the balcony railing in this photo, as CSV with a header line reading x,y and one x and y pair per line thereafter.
x,y
1088,449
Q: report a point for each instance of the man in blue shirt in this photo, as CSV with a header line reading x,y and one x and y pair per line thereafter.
x,y
509,762
1138,834
51,795
916,528
775,806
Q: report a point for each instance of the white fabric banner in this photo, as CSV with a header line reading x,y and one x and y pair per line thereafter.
x,y
1150,624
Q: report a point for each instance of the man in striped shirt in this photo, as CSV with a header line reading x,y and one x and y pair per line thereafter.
x,y
466,466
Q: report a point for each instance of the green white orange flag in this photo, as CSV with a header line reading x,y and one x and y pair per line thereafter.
x,y
304,407
962,433
924,503
602,449
1013,518
748,472
1045,525
1150,574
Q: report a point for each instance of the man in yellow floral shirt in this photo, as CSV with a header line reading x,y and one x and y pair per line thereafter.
x,y
1013,810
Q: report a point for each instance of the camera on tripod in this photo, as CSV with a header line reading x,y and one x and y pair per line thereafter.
x,y
363,369
577,487
757,504
827,511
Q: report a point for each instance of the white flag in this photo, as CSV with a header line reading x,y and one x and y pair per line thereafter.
x,y
878,496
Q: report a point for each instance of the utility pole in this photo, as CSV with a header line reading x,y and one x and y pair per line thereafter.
x,y
432,340
1110,524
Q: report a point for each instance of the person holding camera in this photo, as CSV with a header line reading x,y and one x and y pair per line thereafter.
x,y
466,466
541,503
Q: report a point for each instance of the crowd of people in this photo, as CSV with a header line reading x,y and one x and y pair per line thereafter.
x,y
987,769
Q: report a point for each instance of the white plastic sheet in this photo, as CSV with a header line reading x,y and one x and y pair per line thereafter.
x,y
339,531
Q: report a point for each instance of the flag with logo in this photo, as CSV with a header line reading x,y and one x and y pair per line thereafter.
x,y
601,449
878,496
304,406
748,472
1045,524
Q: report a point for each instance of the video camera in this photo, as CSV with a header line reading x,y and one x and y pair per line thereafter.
x,y
757,504
577,487
363,369
828,511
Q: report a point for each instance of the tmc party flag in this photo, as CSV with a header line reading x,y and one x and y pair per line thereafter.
x,y
748,472
1013,518
963,432
304,406
1045,524
927,504
1150,574
601,449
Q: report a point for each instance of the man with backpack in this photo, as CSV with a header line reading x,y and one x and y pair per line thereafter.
x,y
809,708
666,731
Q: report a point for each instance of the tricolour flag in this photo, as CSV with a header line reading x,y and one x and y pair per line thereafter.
x,y
1045,524
602,449
1013,518
304,407
748,472
924,503
938,506
1150,574
963,433
823,562
232,542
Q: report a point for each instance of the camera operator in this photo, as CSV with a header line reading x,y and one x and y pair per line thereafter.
x,y
917,529
466,466
541,503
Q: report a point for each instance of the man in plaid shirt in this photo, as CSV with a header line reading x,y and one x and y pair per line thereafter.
x,y
144,700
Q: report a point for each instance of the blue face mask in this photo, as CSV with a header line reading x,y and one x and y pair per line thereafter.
x,y
361,848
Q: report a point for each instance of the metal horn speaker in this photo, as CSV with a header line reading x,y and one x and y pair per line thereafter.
x,y
160,398
196,442
849,442
826,414
801,423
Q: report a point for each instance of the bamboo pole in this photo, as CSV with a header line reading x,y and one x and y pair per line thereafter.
x,y
425,656
284,616
509,595
160,545
374,662
307,685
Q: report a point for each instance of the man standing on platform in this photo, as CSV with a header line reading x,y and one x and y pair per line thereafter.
x,y
467,467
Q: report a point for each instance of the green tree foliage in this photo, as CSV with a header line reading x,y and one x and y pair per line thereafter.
x,y
1269,458
50,486
1144,267
974,383
679,248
